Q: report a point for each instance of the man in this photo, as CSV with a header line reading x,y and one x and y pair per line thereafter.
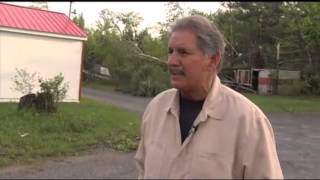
x,y
201,128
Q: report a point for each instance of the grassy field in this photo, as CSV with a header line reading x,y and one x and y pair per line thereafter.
x,y
26,136
286,103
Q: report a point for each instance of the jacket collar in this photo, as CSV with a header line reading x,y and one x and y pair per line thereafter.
x,y
212,106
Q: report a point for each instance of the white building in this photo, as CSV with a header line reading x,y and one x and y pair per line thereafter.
x,y
39,41
260,79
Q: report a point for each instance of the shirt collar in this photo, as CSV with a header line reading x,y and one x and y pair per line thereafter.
x,y
212,106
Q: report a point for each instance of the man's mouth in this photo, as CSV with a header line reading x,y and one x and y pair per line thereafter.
x,y
175,71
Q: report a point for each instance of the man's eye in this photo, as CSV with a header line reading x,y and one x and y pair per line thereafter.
x,y
170,51
183,51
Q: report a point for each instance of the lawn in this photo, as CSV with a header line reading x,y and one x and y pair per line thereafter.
x,y
26,136
286,103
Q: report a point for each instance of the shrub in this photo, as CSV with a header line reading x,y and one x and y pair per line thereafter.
x,y
51,91
27,101
23,81
294,87
149,80
54,87
313,84
44,102
123,77
311,79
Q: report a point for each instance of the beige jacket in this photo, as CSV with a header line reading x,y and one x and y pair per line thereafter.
x,y
234,139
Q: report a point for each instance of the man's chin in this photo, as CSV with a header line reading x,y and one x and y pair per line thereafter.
x,y
176,84
177,81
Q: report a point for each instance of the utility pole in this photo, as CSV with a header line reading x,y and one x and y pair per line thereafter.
x,y
277,66
70,8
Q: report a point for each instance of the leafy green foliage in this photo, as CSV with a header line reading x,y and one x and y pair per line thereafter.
x,y
311,79
126,52
51,91
252,31
79,20
149,80
55,87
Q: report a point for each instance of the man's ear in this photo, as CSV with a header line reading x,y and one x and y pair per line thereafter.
x,y
215,60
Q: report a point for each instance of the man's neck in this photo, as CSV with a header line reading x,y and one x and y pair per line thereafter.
x,y
199,93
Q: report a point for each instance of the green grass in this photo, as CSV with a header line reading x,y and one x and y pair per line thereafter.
x,y
100,85
286,103
74,128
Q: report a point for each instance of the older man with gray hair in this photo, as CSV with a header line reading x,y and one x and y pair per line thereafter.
x,y
201,128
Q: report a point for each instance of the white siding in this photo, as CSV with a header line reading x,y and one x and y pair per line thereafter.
x,y
283,74
46,55
264,88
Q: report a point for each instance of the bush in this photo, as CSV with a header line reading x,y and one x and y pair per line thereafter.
x,y
313,84
311,79
142,79
54,87
51,91
44,102
123,77
295,87
27,101
23,81
149,80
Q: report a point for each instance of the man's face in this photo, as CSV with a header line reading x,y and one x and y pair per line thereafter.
x,y
189,67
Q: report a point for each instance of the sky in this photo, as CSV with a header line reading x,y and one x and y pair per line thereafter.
x,y
152,12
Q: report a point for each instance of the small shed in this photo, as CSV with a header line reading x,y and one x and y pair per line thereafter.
x,y
260,79
39,41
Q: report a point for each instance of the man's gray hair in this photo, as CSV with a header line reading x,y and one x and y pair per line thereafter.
x,y
209,39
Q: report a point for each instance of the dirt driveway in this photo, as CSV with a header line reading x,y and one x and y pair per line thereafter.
x,y
297,136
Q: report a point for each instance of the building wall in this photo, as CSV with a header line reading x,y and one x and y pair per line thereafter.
x,y
286,75
46,55
264,82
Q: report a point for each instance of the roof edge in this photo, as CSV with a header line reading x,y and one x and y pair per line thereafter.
x,y
5,3
42,33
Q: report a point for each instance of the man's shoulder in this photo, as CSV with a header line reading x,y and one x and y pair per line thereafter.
x,y
237,100
168,92
159,104
162,100
164,97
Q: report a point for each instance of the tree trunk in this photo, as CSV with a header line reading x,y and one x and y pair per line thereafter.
x,y
305,47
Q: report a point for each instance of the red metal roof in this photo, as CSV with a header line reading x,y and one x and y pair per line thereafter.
x,y
26,18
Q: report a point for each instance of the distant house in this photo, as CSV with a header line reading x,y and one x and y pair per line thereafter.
x,y
40,41
260,79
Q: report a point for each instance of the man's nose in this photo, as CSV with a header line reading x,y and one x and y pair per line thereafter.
x,y
173,59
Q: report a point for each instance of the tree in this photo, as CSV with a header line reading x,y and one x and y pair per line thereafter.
x,y
79,20
117,44
130,21
303,37
249,30
173,12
